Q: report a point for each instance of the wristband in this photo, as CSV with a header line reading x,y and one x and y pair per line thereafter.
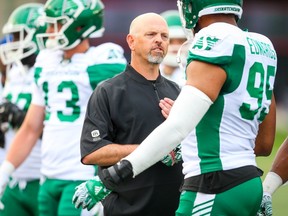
x,y
272,182
7,168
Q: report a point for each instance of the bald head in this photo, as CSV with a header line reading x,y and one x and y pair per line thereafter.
x,y
148,40
141,21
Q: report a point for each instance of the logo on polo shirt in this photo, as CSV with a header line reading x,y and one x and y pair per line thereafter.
x,y
95,135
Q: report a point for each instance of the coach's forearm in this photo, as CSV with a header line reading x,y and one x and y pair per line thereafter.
x,y
109,155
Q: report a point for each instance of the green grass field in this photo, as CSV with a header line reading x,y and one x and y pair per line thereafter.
x,y
279,199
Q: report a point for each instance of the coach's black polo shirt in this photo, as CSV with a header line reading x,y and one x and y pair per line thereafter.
x,y
124,110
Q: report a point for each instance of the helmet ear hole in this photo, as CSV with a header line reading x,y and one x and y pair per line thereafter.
x,y
79,28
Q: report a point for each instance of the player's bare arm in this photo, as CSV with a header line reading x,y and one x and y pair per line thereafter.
x,y
27,135
209,82
280,164
266,135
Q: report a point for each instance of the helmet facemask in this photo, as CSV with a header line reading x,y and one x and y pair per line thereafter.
x,y
187,20
20,31
21,47
57,38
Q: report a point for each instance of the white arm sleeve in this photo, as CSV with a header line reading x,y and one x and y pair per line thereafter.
x,y
188,109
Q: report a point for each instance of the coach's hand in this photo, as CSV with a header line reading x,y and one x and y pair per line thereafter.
x,y
116,174
173,157
266,205
89,193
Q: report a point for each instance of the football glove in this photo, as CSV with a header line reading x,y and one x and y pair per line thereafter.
x,y
10,114
89,193
6,170
266,205
173,157
116,174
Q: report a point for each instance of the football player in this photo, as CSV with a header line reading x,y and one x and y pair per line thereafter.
x,y
18,53
170,66
66,72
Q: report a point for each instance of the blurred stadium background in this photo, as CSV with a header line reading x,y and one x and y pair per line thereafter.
x,y
267,17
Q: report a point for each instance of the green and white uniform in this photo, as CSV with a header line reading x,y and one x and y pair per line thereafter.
x,y
64,88
20,197
225,137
